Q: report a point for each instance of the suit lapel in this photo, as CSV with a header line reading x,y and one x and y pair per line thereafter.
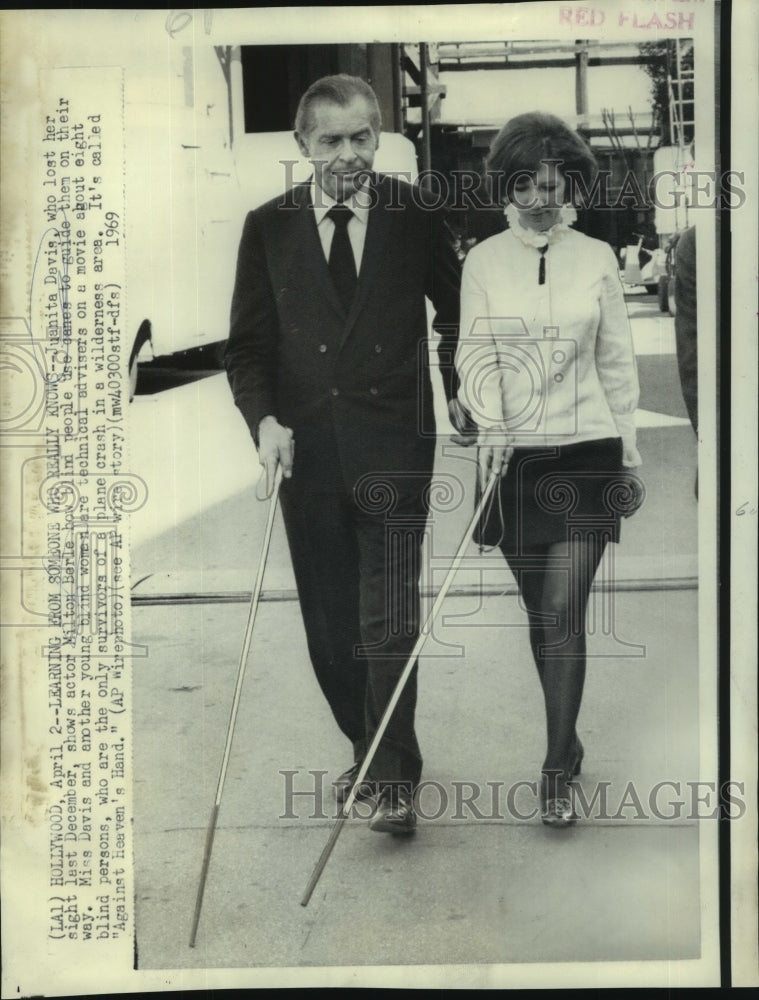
x,y
309,268
378,229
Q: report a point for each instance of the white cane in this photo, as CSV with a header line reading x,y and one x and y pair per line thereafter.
x,y
236,702
495,475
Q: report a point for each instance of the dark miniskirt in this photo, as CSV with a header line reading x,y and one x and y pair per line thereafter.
x,y
549,494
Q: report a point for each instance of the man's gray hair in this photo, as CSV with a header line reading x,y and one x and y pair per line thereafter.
x,y
340,90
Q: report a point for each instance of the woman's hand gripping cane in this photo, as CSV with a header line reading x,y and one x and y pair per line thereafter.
x,y
494,450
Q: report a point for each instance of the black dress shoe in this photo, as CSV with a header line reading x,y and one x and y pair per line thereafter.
x,y
346,781
395,812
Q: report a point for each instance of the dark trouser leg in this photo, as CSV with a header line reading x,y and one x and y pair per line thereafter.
x,y
325,561
390,565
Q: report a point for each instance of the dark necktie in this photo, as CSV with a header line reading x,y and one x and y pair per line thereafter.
x,y
342,265
542,265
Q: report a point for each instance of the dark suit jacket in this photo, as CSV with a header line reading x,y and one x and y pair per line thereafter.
x,y
685,321
354,388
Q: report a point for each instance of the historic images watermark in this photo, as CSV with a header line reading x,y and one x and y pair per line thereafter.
x,y
306,795
472,190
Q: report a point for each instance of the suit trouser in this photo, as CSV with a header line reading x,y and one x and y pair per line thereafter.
x,y
357,572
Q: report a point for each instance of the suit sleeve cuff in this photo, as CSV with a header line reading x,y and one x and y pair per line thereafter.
x,y
253,412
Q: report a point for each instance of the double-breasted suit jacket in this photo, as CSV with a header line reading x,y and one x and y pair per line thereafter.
x,y
354,388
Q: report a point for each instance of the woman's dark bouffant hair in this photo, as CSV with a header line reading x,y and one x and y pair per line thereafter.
x,y
526,141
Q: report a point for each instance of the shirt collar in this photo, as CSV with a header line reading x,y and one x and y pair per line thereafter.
x,y
359,203
531,238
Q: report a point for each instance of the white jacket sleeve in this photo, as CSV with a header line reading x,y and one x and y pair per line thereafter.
x,y
477,354
615,360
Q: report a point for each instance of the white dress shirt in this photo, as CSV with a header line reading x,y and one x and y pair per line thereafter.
x,y
550,364
359,204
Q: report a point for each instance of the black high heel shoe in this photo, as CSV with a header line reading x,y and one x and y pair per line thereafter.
x,y
579,757
556,809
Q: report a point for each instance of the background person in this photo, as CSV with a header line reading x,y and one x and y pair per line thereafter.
x,y
686,325
686,301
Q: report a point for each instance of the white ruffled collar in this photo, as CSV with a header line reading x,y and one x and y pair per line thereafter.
x,y
532,238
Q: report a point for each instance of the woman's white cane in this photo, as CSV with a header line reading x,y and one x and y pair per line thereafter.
x,y
495,475
236,702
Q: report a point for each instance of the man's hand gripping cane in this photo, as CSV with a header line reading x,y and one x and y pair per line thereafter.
x,y
276,446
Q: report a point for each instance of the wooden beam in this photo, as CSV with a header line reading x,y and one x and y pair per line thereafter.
x,y
458,50
426,141
396,56
410,68
447,66
581,84
432,88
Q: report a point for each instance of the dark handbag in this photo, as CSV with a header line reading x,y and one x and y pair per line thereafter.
x,y
629,494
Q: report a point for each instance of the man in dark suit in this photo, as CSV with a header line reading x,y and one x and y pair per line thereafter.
x,y
327,360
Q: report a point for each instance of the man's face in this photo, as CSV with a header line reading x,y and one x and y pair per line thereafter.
x,y
341,144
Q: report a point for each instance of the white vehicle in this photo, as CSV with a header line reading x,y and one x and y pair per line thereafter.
x,y
643,267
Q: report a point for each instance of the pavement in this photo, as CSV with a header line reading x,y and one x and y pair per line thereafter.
x,y
482,894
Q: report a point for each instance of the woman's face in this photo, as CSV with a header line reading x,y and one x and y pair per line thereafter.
x,y
539,197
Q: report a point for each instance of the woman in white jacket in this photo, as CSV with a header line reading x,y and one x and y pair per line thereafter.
x,y
548,373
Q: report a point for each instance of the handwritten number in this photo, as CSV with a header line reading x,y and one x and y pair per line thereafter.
x,y
177,21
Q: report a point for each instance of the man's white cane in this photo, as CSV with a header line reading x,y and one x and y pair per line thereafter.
x,y
236,702
495,475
